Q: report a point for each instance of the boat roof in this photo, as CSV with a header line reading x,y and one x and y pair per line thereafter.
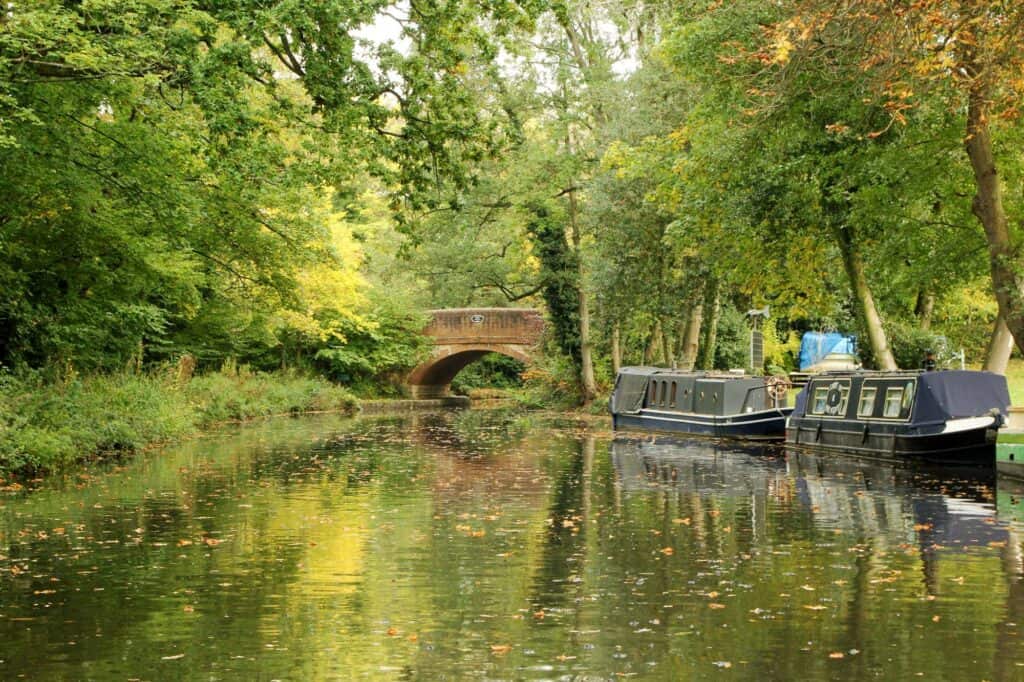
x,y
647,371
942,394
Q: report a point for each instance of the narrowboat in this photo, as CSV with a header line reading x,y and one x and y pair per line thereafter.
x,y
941,416
700,403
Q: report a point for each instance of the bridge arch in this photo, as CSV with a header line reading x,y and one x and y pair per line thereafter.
x,y
464,335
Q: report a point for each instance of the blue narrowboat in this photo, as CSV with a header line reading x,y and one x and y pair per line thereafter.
x,y
700,403
941,416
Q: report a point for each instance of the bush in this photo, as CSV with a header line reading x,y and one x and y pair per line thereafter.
x,y
732,346
45,424
52,423
781,349
551,382
909,344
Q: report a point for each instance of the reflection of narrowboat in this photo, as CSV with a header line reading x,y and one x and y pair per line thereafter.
x,y
948,415
704,403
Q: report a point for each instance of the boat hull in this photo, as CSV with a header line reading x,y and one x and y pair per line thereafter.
x,y
762,425
975,445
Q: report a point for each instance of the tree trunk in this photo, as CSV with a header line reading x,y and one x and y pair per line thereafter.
x,y
866,308
665,346
587,382
691,337
1000,346
712,311
616,349
652,343
677,349
923,309
988,207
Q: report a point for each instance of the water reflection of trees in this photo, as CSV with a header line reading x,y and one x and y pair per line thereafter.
x,y
856,530
651,558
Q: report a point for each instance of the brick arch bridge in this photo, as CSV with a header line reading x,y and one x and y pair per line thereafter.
x,y
464,335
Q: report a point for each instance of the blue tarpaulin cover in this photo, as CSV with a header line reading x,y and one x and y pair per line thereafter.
x,y
814,346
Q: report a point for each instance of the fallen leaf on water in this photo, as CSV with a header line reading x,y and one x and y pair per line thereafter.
x,y
392,632
685,522
667,551
716,605
211,542
188,608
501,649
936,619
172,658
413,637
815,607
837,654
184,543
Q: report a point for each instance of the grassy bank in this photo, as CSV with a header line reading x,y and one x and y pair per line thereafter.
x,y
45,425
1015,379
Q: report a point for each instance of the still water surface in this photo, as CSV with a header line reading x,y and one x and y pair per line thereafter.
x,y
498,545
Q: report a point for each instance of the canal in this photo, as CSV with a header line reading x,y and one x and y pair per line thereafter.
x,y
504,545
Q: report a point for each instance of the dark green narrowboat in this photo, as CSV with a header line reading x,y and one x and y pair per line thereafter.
x,y
941,416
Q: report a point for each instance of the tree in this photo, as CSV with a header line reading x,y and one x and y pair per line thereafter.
x,y
968,55
165,162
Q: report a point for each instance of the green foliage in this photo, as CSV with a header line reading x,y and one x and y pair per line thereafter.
x,y
220,397
375,356
493,370
165,181
910,342
781,355
45,425
733,348
560,275
551,382
253,181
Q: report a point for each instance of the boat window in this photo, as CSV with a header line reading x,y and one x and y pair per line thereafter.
x,y
672,396
866,406
908,395
893,401
664,385
820,400
652,398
